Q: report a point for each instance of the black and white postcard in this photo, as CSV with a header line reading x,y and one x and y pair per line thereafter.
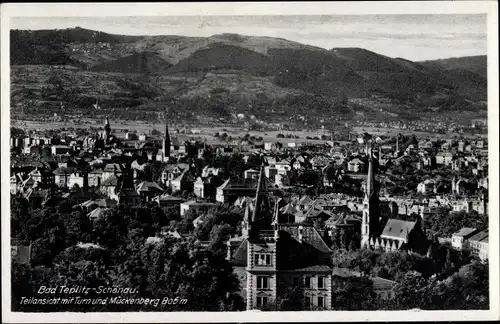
x,y
250,162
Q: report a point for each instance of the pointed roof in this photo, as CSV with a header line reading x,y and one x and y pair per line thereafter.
x,y
261,197
370,178
97,213
185,176
224,185
110,181
310,236
146,186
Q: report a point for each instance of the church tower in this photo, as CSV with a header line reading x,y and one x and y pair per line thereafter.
x,y
166,143
370,222
107,131
261,252
261,216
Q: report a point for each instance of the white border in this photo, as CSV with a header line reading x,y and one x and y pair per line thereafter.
x,y
268,8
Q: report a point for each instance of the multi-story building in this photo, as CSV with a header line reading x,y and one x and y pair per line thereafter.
x,y
275,256
478,244
459,239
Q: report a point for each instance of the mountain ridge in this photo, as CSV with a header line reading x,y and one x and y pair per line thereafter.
x,y
171,66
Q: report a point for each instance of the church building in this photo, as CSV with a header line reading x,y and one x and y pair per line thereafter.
x,y
387,234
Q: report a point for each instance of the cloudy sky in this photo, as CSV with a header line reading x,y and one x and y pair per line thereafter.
x,y
414,37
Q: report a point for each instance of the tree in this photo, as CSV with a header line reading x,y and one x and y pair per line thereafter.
x,y
352,245
308,177
153,171
218,237
185,270
343,240
409,292
356,294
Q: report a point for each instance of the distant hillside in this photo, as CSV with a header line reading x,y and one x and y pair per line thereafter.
x,y
140,63
217,76
50,46
475,64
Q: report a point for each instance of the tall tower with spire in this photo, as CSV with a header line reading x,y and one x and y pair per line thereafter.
x,y
370,226
262,239
166,143
261,217
107,131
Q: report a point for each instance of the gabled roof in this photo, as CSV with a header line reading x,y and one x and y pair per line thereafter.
x,y
167,197
479,236
309,236
342,272
106,202
289,209
112,167
306,201
110,181
184,176
87,203
315,268
239,257
97,213
146,186
396,228
343,219
382,284
200,203
465,232
63,171
224,185
29,182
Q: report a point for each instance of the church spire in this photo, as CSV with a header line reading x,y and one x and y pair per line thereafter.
x,y
166,141
370,221
107,130
261,215
370,178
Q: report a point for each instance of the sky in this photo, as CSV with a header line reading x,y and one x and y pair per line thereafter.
x,y
413,37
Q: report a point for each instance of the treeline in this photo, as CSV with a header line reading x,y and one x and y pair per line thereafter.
x,y
443,279
124,249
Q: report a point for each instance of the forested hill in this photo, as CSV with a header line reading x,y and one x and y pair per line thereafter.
x,y
221,75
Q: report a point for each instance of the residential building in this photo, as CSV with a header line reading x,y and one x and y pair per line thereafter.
x,y
276,256
197,207
478,244
459,239
355,165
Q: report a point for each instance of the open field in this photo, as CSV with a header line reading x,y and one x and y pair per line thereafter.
x,y
119,128
384,131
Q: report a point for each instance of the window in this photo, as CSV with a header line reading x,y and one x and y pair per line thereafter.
x,y
308,282
261,301
262,282
321,302
321,282
296,281
263,259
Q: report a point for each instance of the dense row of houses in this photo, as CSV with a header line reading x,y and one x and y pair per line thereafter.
x,y
280,245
